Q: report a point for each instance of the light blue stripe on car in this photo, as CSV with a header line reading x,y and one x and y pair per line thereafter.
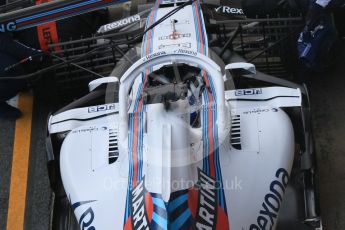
x,y
160,221
56,11
177,202
178,223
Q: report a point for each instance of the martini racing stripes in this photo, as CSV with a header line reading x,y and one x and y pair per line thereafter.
x,y
207,209
183,209
76,8
201,38
159,215
139,214
211,164
180,216
135,142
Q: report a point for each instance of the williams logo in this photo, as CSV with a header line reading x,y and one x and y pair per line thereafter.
x,y
9,26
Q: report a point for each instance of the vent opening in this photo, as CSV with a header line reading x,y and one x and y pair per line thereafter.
x,y
235,135
113,146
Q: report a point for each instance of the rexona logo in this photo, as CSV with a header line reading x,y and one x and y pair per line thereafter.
x,y
207,209
229,10
272,202
119,24
10,26
86,219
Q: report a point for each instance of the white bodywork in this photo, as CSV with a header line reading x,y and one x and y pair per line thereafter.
x,y
254,175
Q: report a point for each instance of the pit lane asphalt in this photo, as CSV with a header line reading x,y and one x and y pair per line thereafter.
x,y
328,102
31,203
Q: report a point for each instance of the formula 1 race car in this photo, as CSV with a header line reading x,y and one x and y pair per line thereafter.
x,y
184,134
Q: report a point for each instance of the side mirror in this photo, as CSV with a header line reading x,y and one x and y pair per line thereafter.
x,y
102,81
241,68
